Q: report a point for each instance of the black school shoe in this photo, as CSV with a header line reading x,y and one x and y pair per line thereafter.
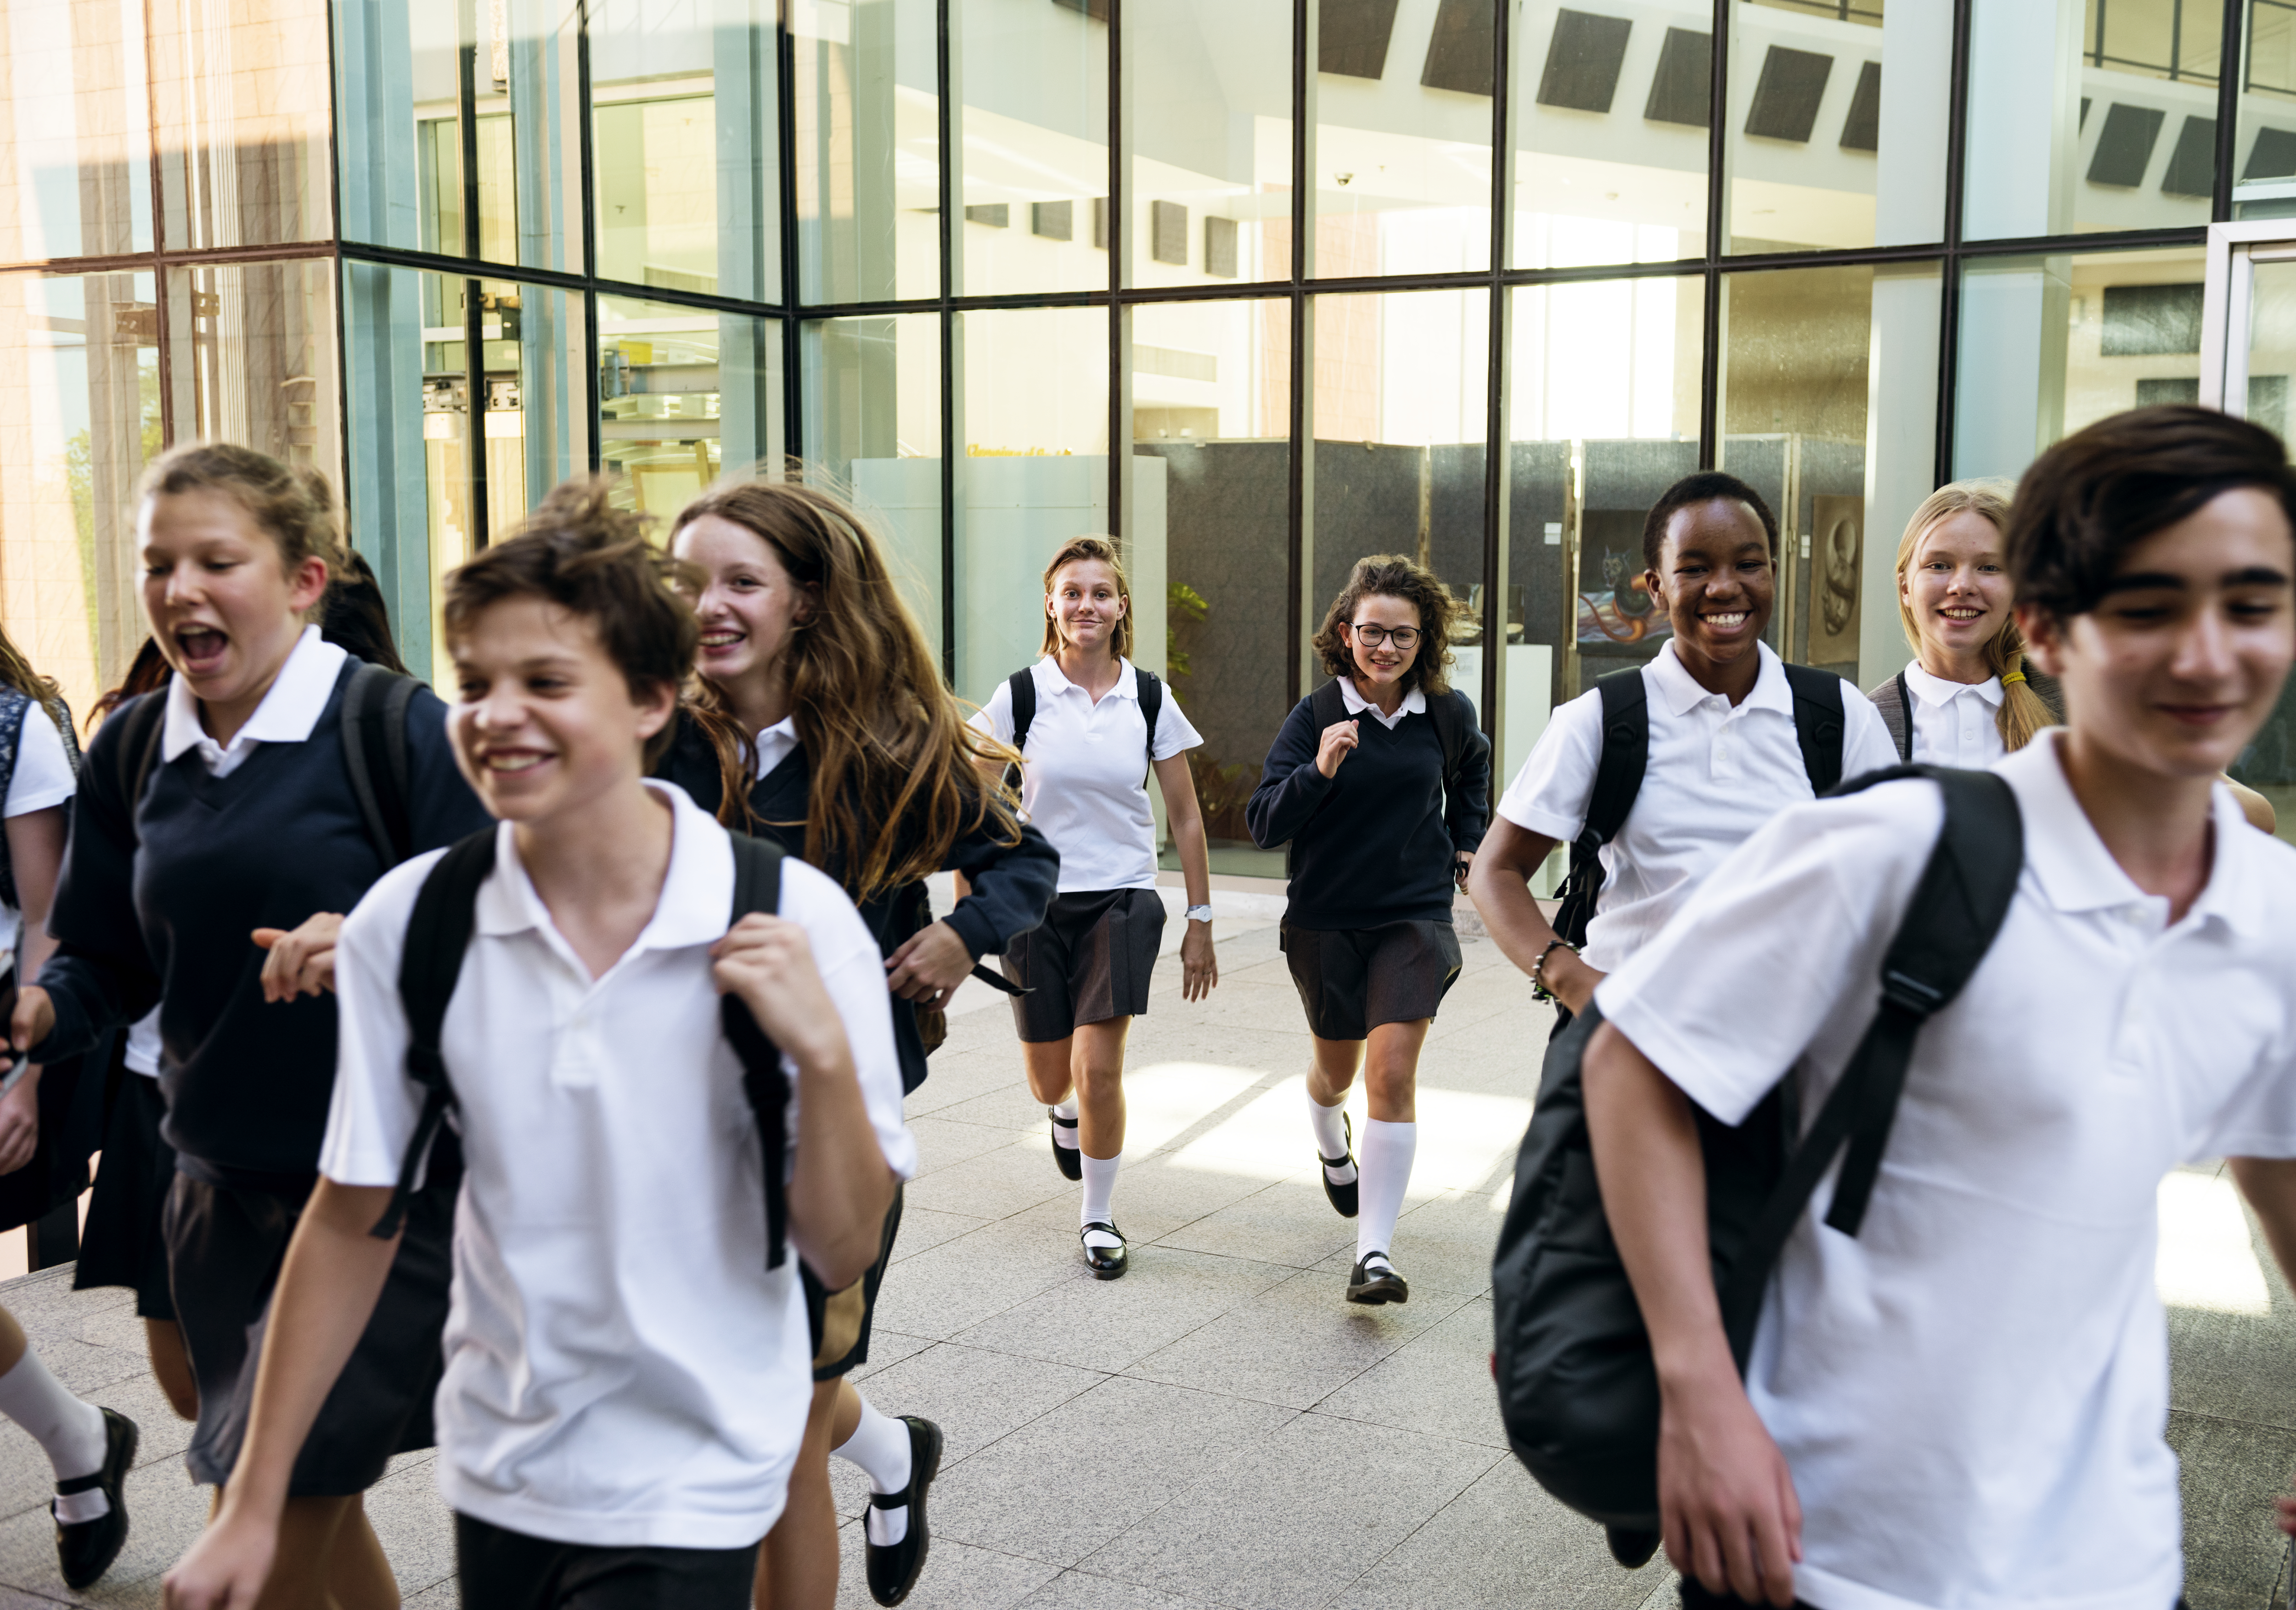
x,y
1106,1262
85,1550
1343,1198
1068,1159
894,1568
1630,1547
1377,1282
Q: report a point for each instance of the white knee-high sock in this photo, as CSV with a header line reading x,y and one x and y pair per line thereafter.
x,y
1388,1150
1330,1124
1099,1186
68,1431
880,1446
1064,1134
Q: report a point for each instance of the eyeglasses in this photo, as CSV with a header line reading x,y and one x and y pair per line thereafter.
x,y
1371,637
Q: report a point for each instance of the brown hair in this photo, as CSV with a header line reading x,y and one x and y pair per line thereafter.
x,y
147,672
895,777
2022,712
1393,576
1103,551
292,503
592,559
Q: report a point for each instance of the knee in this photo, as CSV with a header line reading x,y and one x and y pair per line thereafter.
x,y
1099,1083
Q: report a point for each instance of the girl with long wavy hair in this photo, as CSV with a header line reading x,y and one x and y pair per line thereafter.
x,y
819,719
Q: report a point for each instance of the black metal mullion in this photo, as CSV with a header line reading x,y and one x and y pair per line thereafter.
x,y
595,430
474,350
792,329
1956,150
2230,71
1295,573
1718,195
1120,449
158,263
1498,452
949,445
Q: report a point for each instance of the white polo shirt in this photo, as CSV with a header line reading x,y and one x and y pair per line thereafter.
x,y
621,1369
43,778
1971,1393
1955,723
1083,773
1714,773
291,708
1414,703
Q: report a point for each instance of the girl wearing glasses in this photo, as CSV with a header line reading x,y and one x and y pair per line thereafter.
x,y
1382,817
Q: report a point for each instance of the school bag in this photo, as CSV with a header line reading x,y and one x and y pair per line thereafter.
x,y
1577,1393
1328,709
1818,719
1022,684
437,934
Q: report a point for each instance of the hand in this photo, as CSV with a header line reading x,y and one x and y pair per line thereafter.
x,y
19,1122
35,1018
1338,738
768,962
1569,979
1725,1499
929,966
1199,962
302,959
225,1569
1463,864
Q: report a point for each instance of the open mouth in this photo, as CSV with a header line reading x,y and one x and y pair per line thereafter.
x,y
1960,613
202,648
719,640
511,763
1727,620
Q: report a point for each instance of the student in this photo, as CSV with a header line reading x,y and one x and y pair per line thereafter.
x,y
1086,753
613,1203
238,815
821,702
1383,819
1963,1404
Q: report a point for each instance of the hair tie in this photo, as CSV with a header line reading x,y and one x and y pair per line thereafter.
x,y
2012,676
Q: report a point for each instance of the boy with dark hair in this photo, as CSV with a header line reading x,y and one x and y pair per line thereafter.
x,y
628,1360
1962,1404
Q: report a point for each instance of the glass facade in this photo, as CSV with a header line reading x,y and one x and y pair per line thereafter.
x,y
1259,286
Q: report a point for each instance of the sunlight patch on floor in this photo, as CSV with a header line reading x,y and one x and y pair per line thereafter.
x,y
1462,1137
2206,1259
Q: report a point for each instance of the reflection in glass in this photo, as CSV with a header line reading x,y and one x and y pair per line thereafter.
x,y
683,394
2264,157
1209,188
872,422
80,416
865,108
240,113
251,359
75,132
1030,127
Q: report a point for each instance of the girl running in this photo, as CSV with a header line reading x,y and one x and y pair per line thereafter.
x,y
1383,818
1079,717
819,720
225,808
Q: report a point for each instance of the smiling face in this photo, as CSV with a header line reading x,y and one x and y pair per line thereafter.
x,y
1957,589
224,608
1382,664
1086,604
544,721
749,604
1716,582
2180,662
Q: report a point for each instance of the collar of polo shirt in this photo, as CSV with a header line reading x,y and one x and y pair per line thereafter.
x,y
1683,694
696,895
1937,691
291,706
1050,679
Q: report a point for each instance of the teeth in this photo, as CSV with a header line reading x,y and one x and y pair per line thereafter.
x,y
720,639
1727,620
514,763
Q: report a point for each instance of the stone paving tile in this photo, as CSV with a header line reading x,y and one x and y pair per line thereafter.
x,y
961,1282
957,1577
945,1139
887,1348
975,1394
1108,1325
922,1228
1005,1180
1443,1246
1287,1223
2230,1474
1081,1590
1440,1382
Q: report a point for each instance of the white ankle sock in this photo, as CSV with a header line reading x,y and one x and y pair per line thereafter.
x,y
880,1446
1099,1186
70,1432
1330,1124
1064,1134
1388,1150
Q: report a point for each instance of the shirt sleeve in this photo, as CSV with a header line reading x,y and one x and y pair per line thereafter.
x,y
853,972
1550,795
995,717
372,1114
1796,918
1174,732
44,774
1867,745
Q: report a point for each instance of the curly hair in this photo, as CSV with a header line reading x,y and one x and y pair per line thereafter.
x,y
1393,576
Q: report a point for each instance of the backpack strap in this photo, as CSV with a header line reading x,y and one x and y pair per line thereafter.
x,y
1618,779
1818,720
1894,701
757,887
438,934
1152,709
143,723
1023,684
1958,906
1327,707
374,753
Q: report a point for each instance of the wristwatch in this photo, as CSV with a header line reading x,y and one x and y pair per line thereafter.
x,y
1200,913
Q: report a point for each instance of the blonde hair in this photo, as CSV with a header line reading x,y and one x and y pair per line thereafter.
x,y
2022,711
1075,550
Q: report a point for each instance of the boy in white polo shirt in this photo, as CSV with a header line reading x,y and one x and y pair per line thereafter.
x,y
628,1362
1963,1404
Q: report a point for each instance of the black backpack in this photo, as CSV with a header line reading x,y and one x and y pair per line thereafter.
x,y
1023,686
1577,1393
437,934
1819,720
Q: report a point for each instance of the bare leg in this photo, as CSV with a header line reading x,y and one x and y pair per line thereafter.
x,y
358,1574
1051,1078
302,1571
1391,1070
1333,1071
797,1564
1097,1064
171,1366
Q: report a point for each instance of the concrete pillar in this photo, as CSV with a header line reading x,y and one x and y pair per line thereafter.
x,y
2009,397
2024,117
1901,404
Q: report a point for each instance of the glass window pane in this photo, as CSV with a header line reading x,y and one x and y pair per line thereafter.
x,y
1207,540
75,131
866,110
2090,118
872,422
80,416
1611,134
1032,390
685,146
1837,126
1210,185
1829,409
683,394
1030,131
1400,172
428,91
251,359
2264,179
240,111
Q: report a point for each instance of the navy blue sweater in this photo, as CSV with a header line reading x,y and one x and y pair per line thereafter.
x,y
1375,844
1012,883
162,909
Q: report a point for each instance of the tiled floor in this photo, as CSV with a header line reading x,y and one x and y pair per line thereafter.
x,y
1218,1428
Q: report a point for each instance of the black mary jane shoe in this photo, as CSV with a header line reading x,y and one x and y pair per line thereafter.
x,y
1630,1547
1068,1159
894,1568
1343,1198
1106,1262
85,1550
1374,1280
